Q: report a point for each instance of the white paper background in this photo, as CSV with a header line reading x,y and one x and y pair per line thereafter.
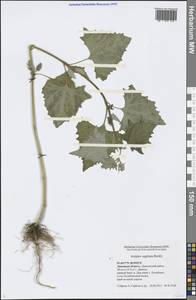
x,y
95,211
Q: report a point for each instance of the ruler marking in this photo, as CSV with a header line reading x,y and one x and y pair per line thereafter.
x,y
191,137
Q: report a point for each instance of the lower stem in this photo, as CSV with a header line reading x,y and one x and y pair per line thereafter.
x,y
42,210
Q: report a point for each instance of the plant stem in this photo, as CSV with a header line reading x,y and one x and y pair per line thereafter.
x,y
40,74
105,118
117,107
42,211
79,61
50,54
107,104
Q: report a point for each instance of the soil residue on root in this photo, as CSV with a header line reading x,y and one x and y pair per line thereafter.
x,y
39,237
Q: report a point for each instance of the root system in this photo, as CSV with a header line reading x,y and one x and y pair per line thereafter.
x,y
39,237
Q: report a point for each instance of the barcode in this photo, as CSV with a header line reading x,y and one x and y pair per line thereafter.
x,y
166,14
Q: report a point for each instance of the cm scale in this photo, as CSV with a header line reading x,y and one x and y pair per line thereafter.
x,y
191,191
191,163
191,150
191,153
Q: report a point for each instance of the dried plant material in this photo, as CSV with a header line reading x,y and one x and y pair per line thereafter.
x,y
63,98
38,236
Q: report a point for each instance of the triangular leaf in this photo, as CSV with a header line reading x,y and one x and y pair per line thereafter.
x,y
62,98
79,70
105,48
139,120
103,73
139,109
91,155
138,133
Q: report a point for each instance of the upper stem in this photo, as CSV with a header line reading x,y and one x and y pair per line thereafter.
x,y
43,75
79,61
50,54
107,104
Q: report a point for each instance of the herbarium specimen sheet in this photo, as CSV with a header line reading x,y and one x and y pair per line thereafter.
x,y
93,130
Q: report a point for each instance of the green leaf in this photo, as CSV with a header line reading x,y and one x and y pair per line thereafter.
x,y
87,163
71,73
138,133
79,70
62,98
105,48
112,118
30,66
115,118
38,67
103,72
88,133
139,120
139,109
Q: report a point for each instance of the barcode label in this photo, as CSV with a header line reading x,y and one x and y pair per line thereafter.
x,y
166,14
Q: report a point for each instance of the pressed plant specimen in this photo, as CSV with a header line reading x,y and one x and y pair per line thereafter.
x,y
63,98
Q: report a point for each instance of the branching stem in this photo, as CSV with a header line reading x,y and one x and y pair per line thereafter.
x,y
105,118
40,74
34,121
107,104
116,107
79,61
